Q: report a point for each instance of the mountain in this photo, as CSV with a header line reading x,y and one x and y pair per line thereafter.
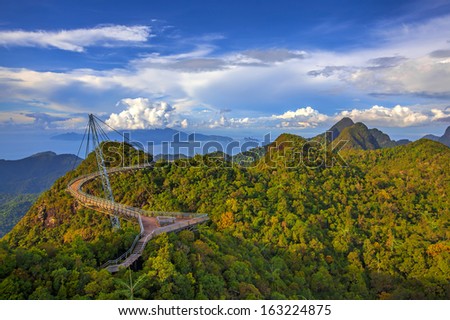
x,y
340,126
402,142
69,136
369,229
34,174
23,180
336,130
444,139
359,136
431,137
157,136
382,139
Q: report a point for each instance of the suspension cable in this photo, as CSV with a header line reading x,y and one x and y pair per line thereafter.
x,y
79,148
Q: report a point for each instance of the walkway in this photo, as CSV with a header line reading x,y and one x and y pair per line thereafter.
x,y
147,219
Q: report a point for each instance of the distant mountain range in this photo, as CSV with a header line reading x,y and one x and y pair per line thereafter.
x,y
157,136
354,231
444,139
359,136
23,180
34,174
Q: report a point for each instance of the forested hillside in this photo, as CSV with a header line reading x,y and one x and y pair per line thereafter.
x,y
376,226
13,208
359,136
23,180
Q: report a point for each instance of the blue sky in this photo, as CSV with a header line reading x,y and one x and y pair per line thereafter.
x,y
228,67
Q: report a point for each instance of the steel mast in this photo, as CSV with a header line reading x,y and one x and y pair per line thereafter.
x,y
94,130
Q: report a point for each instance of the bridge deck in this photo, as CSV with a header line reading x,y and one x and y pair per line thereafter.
x,y
146,219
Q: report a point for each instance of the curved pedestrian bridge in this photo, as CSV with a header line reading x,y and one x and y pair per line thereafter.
x,y
151,223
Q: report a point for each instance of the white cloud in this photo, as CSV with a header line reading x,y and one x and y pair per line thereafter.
x,y
397,116
301,118
141,113
184,123
441,115
409,60
222,122
403,64
193,76
76,39
422,76
302,113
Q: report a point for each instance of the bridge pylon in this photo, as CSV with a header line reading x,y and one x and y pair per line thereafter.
x,y
95,134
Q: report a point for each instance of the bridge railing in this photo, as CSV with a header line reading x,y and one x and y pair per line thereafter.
x,y
121,209
130,250
125,211
176,226
123,256
170,228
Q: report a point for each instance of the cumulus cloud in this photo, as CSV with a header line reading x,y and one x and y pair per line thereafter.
x,y
141,113
76,39
249,82
441,115
308,117
301,112
301,118
397,116
222,122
